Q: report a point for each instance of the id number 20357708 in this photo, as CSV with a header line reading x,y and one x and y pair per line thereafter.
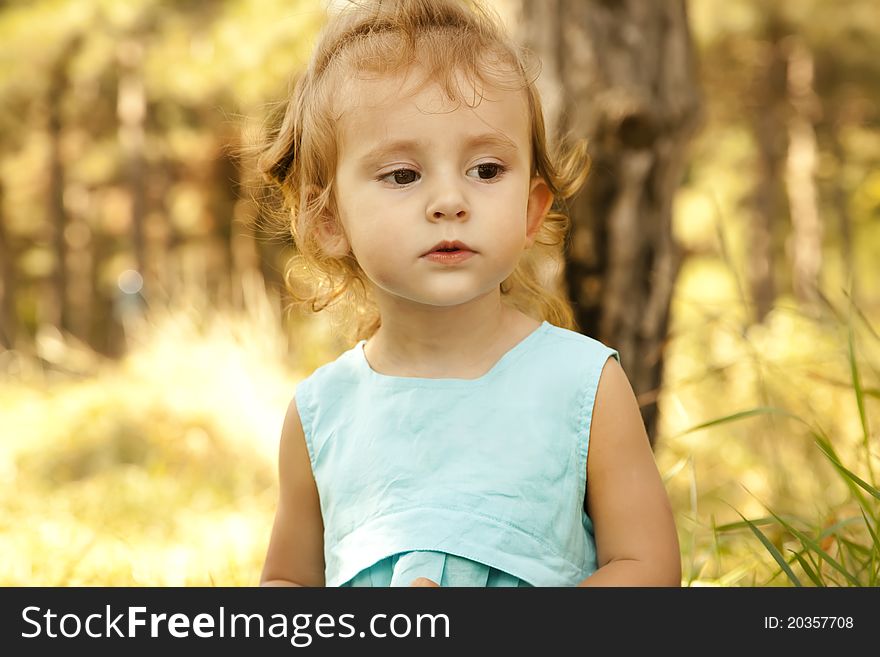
x,y
808,622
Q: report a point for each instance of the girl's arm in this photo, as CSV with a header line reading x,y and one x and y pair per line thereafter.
x,y
636,539
296,549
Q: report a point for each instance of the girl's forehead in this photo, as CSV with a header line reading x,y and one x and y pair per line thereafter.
x,y
377,91
367,107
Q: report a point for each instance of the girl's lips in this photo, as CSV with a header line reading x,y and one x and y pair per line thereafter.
x,y
448,257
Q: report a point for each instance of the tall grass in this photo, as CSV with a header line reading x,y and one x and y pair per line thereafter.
x,y
828,536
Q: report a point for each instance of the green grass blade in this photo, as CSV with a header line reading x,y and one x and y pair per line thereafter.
x,y
772,550
737,526
875,552
806,541
807,569
871,531
852,546
861,314
872,392
716,546
835,529
760,410
860,397
826,448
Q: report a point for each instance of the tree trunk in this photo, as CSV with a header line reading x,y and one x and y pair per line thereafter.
x,y
800,175
57,310
80,261
131,112
8,317
623,75
766,107
840,201
105,330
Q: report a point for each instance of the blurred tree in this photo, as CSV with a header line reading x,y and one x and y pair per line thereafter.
x,y
7,283
766,99
116,152
131,113
802,79
57,310
622,74
800,174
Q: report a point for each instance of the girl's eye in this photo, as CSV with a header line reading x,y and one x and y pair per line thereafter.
x,y
401,176
489,170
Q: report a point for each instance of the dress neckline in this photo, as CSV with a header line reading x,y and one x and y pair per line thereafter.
x,y
423,382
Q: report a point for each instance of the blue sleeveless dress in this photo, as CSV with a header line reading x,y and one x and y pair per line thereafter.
x,y
468,482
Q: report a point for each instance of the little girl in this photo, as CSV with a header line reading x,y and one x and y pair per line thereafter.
x,y
470,437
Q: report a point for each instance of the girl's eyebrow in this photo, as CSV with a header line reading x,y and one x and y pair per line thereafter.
x,y
383,149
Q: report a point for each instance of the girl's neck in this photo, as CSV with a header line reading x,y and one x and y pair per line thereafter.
x,y
460,342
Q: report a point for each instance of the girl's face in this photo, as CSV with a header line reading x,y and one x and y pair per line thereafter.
x,y
415,169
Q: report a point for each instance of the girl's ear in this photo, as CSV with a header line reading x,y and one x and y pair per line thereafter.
x,y
540,200
328,229
331,236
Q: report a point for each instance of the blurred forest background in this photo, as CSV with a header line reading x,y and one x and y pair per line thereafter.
x,y
147,355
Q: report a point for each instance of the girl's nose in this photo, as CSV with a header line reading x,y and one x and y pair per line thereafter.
x,y
448,202
438,214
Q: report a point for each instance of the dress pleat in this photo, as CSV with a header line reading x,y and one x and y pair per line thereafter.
x,y
441,567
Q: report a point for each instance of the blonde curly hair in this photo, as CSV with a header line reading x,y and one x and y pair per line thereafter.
x,y
299,153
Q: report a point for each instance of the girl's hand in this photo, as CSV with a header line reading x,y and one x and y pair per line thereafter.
x,y
424,581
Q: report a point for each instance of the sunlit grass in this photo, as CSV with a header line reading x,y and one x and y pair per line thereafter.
x,y
158,469
777,485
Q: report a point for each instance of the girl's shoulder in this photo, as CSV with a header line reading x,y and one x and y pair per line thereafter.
x,y
344,365
341,370
570,345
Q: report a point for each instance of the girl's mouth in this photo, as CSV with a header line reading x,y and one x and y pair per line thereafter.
x,y
449,256
449,246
